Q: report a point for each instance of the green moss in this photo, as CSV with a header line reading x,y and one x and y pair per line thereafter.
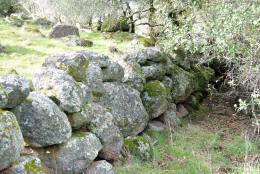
x,y
199,111
32,168
155,88
139,147
113,24
29,100
31,28
78,134
203,76
145,42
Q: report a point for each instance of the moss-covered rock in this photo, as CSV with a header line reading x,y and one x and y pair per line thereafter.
x,y
102,125
154,98
139,147
16,89
74,64
154,71
126,105
11,139
203,75
42,122
183,84
145,42
74,156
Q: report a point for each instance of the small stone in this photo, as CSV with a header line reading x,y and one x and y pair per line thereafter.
x,y
156,126
100,167
59,31
16,88
94,79
74,156
133,75
170,118
182,111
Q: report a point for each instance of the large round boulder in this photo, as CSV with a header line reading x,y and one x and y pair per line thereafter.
x,y
103,127
16,88
72,157
126,106
74,64
11,139
154,98
60,87
59,31
42,122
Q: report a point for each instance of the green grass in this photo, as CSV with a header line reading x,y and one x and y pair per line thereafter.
x,y
26,51
194,150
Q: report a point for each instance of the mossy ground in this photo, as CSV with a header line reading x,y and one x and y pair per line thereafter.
x,y
25,51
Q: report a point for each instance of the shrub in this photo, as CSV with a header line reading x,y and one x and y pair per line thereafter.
x,y
7,7
223,30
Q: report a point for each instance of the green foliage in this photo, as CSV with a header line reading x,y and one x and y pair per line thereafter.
x,y
227,31
32,168
113,24
7,7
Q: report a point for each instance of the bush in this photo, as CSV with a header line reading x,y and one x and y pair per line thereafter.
x,y
113,24
223,30
7,7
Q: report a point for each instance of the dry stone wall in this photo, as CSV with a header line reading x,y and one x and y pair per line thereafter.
x,y
82,108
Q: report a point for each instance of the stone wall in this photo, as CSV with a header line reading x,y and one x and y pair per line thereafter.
x,y
82,108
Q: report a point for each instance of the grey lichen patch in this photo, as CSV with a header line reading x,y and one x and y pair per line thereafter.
x,y
154,98
11,139
41,121
183,84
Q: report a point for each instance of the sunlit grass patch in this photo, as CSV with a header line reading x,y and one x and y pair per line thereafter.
x,y
195,150
25,51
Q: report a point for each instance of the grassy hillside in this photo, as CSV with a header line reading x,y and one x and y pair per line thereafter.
x,y
26,51
212,143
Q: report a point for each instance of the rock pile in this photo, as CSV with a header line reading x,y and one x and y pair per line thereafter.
x,y
85,107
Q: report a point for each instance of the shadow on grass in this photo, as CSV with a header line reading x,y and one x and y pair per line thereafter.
x,y
22,50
